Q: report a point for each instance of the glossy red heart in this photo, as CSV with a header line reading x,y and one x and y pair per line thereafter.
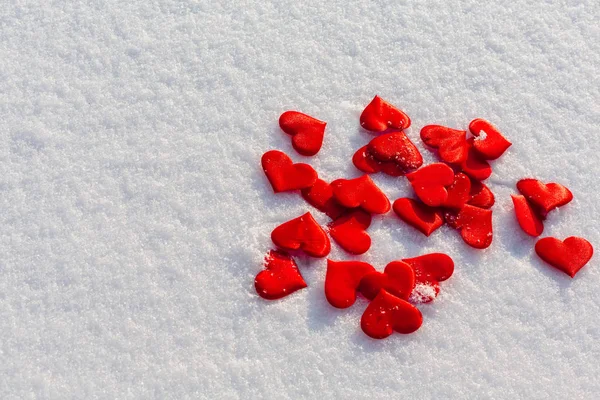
x,y
380,115
569,256
451,143
481,195
527,216
430,270
424,218
302,233
284,175
398,278
350,231
459,192
431,183
365,162
360,192
474,166
545,197
280,277
489,142
307,132
320,196
342,281
388,313
396,147
475,225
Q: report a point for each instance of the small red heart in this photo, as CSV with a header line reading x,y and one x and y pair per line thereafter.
x,y
424,218
475,225
360,192
451,143
380,115
388,313
459,192
365,162
396,147
481,195
284,175
546,197
430,270
307,132
320,196
342,280
527,216
302,233
398,278
430,183
489,142
568,256
350,231
280,277
474,166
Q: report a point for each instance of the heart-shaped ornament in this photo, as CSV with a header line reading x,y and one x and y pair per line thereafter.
x,y
527,216
431,183
430,270
459,192
284,175
396,147
360,192
320,196
569,256
424,218
475,225
302,233
398,278
280,277
489,142
307,132
350,231
451,143
388,313
342,281
365,162
481,195
379,115
544,196
475,166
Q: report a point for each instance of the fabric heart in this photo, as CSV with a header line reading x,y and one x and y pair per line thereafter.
x,y
350,231
459,192
380,115
546,197
481,195
568,256
451,143
284,175
360,192
475,225
365,162
302,233
489,142
430,270
430,183
424,218
398,278
396,147
474,166
527,216
307,132
320,196
388,313
342,281
280,277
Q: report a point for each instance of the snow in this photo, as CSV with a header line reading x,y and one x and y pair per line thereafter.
x,y
135,214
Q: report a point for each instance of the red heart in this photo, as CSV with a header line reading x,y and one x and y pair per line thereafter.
x,y
546,197
284,175
489,142
302,233
360,192
280,277
320,196
365,162
451,143
388,313
474,166
568,256
430,269
430,182
527,216
481,195
380,115
426,219
307,132
475,225
459,192
396,147
349,231
342,280
398,278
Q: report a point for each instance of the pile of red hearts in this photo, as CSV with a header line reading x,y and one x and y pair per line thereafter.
x,y
449,192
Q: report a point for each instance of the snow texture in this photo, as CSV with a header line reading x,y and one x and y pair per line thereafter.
x,y
135,215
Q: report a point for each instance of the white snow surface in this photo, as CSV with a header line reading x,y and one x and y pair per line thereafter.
x,y
135,215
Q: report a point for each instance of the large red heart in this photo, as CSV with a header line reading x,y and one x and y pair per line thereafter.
x,y
302,233
489,142
360,192
451,143
365,162
396,147
430,183
475,225
320,196
430,269
459,192
527,216
307,132
424,218
380,115
398,278
568,256
475,166
342,280
350,231
280,277
481,195
388,313
284,175
546,197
